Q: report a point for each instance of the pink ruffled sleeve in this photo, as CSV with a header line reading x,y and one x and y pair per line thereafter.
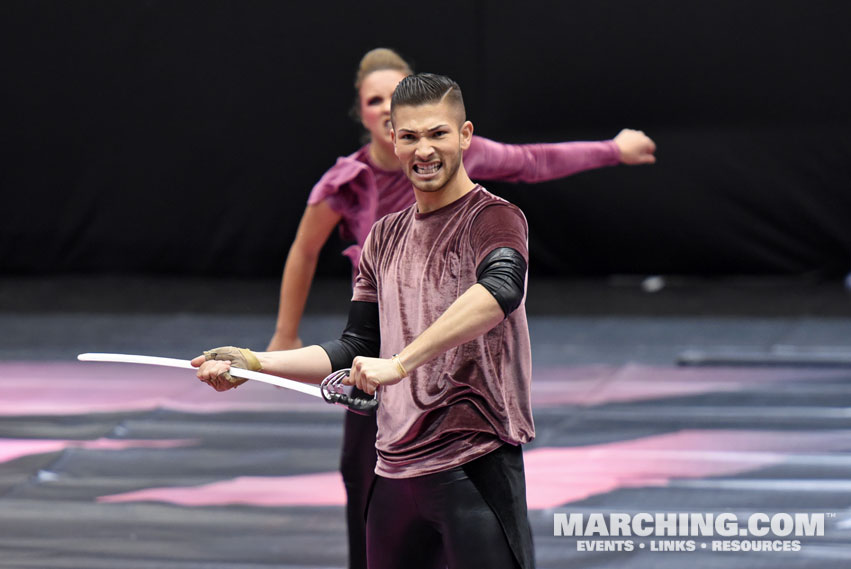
x,y
349,189
530,163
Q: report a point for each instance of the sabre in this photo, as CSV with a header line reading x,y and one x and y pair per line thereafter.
x,y
331,389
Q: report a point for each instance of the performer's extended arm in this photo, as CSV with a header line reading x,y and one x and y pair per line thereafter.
x,y
540,162
311,364
499,290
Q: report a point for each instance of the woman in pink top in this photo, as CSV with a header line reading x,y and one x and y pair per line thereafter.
x,y
367,185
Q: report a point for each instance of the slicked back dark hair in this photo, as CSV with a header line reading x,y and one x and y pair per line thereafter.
x,y
428,89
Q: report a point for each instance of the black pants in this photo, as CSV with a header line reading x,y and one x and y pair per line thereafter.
x,y
434,521
357,465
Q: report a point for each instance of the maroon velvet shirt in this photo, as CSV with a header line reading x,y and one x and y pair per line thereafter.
x,y
469,400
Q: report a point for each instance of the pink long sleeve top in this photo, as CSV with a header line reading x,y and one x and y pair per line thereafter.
x,y
363,193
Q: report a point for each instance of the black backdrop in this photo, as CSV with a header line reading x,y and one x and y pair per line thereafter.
x,y
183,137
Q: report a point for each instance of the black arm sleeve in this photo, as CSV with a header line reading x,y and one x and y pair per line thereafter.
x,y
362,336
503,273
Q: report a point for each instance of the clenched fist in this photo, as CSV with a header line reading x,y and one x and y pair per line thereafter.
x,y
636,147
214,366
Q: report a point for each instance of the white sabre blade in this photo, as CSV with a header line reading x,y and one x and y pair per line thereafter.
x,y
174,362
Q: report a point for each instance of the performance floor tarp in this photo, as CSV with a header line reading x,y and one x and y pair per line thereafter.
x,y
133,467
110,465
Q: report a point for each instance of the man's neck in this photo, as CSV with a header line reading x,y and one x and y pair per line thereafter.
x,y
459,186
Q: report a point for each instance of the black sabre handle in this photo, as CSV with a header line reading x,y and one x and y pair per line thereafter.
x,y
357,405
333,391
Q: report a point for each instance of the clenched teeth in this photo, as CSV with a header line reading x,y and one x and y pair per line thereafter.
x,y
427,169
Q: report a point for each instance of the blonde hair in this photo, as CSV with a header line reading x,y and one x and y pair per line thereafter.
x,y
379,59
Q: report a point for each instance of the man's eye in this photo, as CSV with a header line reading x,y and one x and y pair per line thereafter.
x,y
439,134
373,101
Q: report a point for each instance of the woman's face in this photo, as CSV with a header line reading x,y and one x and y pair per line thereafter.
x,y
375,93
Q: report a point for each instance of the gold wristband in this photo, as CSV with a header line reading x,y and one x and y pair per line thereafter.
x,y
401,369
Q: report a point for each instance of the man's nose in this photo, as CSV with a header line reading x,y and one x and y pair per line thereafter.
x,y
424,149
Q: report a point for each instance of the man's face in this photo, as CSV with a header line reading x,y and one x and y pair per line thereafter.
x,y
429,142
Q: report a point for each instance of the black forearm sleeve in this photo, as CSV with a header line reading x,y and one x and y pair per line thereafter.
x,y
503,273
362,336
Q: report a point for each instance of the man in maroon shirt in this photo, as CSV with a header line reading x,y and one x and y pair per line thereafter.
x,y
437,326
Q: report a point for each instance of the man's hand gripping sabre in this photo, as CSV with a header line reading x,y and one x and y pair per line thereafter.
x,y
230,367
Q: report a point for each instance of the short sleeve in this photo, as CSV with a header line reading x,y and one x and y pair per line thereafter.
x,y
366,282
345,171
349,189
499,225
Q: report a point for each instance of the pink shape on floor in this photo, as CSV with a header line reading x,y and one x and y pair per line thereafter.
x,y
11,449
554,476
69,388
324,489
600,384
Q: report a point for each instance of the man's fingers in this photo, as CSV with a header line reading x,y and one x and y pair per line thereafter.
x,y
356,373
198,360
212,369
363,384
216,374
371,382
221,384
368,374
218,384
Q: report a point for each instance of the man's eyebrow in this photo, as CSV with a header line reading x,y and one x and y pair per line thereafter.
x,y
427,130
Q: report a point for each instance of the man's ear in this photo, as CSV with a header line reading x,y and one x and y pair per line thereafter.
x,y
393,139
466,135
